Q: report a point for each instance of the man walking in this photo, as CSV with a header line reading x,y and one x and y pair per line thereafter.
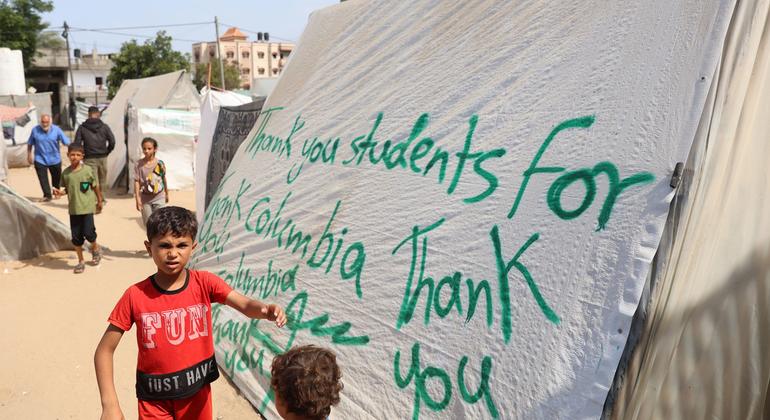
x,y
45,140
98,141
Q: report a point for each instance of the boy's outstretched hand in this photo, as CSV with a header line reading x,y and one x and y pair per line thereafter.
x,y
275,313
255,309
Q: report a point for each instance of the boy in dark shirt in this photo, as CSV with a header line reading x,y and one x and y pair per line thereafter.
x,y
172,313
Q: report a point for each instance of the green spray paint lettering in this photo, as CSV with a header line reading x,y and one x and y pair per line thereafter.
x,y
291,238
478,158
407,155
268,284
586,175
312,150
420,377
272,143
418,282
504,269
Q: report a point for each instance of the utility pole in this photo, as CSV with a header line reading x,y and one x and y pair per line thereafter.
x,y
219,55
71,108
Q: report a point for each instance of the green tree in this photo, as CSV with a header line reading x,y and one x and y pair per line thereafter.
x,y
232,75
50,40
152,58
21,24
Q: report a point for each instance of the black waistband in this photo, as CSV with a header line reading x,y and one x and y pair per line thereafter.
x,y
177,385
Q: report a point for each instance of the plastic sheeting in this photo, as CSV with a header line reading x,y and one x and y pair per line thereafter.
x,y
468,221
28,231
3,162
233,125
168,91
175,133
702,346
212,101
16,150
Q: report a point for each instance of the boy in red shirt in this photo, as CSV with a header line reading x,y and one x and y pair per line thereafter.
x,y
172,312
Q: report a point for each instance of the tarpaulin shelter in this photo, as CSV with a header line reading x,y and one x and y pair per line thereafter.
x,y
505,210
28,231
17,126
172,91
3,163
212,100
175,131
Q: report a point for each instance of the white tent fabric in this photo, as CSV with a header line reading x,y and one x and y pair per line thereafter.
x,y
461,199
28,231
3,161
702,352
212,101
175,133
168,91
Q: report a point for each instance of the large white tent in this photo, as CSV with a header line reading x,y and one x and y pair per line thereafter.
x,y
507,210
171,91
175,131
212,101
28,231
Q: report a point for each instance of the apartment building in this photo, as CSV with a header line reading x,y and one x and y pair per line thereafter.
x,y
255,59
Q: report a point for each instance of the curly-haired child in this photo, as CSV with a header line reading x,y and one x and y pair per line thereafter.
x,y
306,382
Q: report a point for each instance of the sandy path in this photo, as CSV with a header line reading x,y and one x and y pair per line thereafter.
x,y
52,319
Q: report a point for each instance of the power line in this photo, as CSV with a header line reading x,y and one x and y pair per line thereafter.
x,y
135,35
171,25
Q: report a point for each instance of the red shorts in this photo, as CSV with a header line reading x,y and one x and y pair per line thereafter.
x,y
197,407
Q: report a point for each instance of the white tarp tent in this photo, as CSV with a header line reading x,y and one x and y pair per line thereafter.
x,y
3,161
463,200
28,231
168,91
701,335
212,101
175,132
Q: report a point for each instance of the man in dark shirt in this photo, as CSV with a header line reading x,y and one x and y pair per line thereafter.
x,y
98,141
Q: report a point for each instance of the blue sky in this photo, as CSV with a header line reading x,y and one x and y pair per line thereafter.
x,y
283,19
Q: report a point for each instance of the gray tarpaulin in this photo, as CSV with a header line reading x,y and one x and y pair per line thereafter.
x,y
233,124
27,230
702,332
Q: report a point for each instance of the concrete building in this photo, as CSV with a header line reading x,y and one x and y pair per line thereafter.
x,y
255,59
48,73
90,73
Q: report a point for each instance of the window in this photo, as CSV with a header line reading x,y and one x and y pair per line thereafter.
x,y
230,54
261,70
245,54
197,57
245,71
275,71
99,81
275,55
260,55
211,52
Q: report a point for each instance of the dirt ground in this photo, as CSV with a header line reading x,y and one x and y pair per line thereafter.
x,y
52,319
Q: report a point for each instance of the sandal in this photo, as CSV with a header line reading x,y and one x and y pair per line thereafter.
x,y
97,257
80,268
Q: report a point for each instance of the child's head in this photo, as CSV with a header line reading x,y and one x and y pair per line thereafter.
x,y
306,382
149,146
75,153
171,238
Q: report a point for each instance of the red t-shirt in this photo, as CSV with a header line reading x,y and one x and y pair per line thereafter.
x,y
176,350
